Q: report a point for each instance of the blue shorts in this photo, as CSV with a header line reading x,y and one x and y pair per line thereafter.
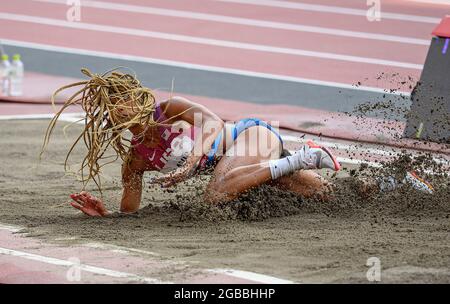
x,y
238,128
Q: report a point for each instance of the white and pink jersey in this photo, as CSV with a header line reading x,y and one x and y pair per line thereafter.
x,y
172,150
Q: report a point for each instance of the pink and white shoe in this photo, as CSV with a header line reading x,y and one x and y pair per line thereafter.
x,y
389,183
313,156
418,183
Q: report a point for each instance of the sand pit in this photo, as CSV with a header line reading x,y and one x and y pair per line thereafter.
x,y
265,231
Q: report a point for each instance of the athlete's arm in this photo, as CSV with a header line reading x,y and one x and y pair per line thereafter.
x,y
132,189
180,108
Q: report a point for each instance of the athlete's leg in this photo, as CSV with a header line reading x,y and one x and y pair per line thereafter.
x,y
244,165
368,186
237,172
306,183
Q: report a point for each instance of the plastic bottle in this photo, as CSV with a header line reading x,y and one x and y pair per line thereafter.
x,y
16,77
5,69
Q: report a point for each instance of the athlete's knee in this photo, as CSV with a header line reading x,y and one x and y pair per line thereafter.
x,y
220,184
221,188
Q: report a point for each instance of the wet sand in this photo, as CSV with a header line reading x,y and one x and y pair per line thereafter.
x,y
265,231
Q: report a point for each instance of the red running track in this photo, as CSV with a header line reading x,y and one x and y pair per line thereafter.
x,y
25,260
127,37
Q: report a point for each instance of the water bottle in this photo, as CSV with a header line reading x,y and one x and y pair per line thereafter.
x,y
5,68
16,77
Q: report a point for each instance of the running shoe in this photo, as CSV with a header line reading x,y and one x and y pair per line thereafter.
x,y
418,183
313,156
389,183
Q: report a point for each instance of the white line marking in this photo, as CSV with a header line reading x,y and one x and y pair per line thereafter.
x,y
386,151
252,276
83,267
67,238
439,2
179,64
123,250
207,41
74,117
69,117
352,161
10,228
340,146
120,249
243,21
256,277
335,10
26,116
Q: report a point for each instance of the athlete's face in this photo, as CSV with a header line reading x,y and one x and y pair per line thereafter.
x,y
124,111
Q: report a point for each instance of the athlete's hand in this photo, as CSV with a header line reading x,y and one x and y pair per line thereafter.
x,y
172,178
88,204
180,174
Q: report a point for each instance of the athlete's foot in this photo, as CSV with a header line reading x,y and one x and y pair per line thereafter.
x,y
389,183
313,156
418,183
